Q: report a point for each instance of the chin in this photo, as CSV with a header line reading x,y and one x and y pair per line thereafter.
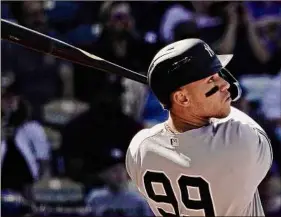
x,y
223,113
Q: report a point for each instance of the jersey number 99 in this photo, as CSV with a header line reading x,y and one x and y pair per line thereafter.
x,y
205,203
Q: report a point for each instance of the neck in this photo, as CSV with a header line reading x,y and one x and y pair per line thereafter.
x,y
181,124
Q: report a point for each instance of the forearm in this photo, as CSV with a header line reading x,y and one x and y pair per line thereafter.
x,y
227,42
258,47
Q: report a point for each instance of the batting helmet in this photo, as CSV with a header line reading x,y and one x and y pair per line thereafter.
x,y
186,61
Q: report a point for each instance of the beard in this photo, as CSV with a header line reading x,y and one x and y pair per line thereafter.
x,y
223,113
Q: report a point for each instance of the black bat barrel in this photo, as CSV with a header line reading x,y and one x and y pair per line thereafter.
x,y
42,43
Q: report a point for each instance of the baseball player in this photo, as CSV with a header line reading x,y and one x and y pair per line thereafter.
x,y
208,158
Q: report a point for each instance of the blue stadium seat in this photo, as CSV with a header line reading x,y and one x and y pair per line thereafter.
x,y
153,111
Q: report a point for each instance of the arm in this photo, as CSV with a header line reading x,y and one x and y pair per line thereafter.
x,y
249,154
261,156
258,46
255,145
42,148
268,20
227,42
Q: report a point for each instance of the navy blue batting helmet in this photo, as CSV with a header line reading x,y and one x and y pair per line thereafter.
x,y
184,62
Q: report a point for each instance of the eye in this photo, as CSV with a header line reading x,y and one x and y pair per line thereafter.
x,y
211,80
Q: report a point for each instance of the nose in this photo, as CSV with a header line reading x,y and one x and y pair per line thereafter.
x,y
224,85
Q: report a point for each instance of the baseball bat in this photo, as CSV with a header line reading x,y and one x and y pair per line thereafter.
x,y
45,44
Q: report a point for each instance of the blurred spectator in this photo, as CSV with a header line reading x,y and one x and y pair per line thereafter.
x,y
84,137
269,9
178,13
206,22
25,151
258,44
252,53
58,197
116,198
133,99
229,28
187,29
124,33
267,19
40,77
30,14
118,42
119,39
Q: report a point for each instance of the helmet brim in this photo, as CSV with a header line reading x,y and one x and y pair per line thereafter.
x,y
225,59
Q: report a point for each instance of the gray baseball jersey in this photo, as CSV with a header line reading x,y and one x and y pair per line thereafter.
x,y
214,170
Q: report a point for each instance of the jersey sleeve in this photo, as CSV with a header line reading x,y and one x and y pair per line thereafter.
x,y
132,156
130,164
250,148
257,152
256,138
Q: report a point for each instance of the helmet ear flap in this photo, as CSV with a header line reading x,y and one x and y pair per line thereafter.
x,y
235,88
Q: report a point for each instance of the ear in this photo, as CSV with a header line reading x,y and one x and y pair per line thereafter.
x,y
181,98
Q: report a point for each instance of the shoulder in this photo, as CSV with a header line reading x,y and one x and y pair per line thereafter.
x,y
242,136
241,130
142,136
133,152
238,125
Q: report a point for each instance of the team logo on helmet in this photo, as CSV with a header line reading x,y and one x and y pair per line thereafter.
x,y
179,63
209,50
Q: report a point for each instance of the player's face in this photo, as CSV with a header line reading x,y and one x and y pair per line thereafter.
x,y
204,102
120,18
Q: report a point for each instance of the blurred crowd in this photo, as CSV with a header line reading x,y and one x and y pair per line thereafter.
x,y
65,128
